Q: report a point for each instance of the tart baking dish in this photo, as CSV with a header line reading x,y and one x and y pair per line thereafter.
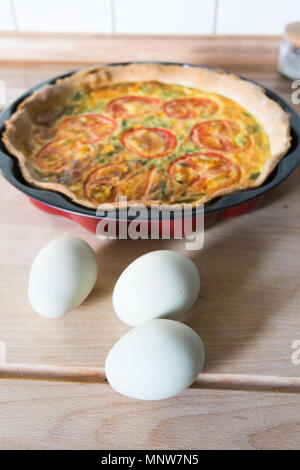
x,y
223,206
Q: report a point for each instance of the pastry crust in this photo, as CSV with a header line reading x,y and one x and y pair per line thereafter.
x,y
275,120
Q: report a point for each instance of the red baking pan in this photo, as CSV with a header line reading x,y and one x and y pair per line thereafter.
x,y
227,206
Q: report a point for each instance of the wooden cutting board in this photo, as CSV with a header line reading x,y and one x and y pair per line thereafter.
x,y
247,313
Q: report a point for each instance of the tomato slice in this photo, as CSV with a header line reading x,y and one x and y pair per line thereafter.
x,y
88,127
132,106
58,155
204,172
149,142
107,183
220,135
190,108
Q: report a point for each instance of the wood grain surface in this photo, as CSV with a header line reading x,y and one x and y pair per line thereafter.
x,y
247,313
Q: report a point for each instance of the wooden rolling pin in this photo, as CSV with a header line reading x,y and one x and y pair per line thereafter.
x,y
250,383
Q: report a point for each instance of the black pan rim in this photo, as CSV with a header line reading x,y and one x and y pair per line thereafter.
x,y
10,169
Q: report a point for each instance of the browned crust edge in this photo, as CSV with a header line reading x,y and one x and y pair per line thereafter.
x,y
275,120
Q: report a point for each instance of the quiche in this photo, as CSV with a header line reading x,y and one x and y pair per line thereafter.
x,y
153,133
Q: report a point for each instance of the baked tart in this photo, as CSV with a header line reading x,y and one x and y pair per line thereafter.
x,y
154,133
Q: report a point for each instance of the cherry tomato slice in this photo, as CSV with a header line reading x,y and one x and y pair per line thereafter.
x,y
191,108
107,183
220,135
58,155
204,172
88,127
149,142
132,106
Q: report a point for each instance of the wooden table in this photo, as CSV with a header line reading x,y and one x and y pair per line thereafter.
x,y
247,314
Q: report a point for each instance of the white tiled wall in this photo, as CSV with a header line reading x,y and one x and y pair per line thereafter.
x,y
256,16
150,16
164,16
6,15
63,15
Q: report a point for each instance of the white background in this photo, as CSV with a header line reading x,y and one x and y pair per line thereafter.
x,y
150,16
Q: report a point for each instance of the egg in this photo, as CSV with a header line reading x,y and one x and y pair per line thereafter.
x,y
160,284
62,276
156,360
